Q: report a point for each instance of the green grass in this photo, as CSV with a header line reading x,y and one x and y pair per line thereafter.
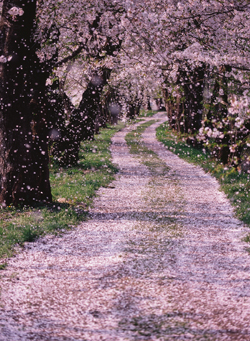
x,y
73,190
234,184
3,266
147,113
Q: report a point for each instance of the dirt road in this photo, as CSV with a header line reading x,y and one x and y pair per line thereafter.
x,y
160,259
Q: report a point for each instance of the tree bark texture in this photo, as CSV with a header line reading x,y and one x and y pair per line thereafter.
x,y
24,174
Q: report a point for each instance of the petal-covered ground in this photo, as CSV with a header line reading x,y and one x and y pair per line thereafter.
x,y
161,258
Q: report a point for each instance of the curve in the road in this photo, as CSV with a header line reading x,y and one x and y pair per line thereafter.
x,y
160,259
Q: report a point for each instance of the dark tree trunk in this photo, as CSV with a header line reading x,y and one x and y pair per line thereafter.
x,y
106,100
148,103
217,112
90,105
82,125
193,105
24,175
134,109
175,110
185,109
110,107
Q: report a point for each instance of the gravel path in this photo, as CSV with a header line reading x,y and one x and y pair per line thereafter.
x,y
160,259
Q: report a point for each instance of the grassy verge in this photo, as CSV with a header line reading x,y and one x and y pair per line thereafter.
x,y
73,190
147,113
234,184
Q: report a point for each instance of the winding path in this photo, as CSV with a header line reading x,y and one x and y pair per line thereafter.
x,y
160,259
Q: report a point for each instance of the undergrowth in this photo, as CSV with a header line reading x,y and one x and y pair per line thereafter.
x,y
73,190
234,184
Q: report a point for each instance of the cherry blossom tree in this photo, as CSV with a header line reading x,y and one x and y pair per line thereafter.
x,y
202,46
36,38
196,51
